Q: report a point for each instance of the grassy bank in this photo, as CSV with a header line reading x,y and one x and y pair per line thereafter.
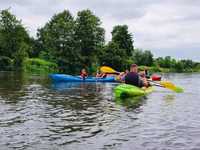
x,y
36,65
40,66
154,69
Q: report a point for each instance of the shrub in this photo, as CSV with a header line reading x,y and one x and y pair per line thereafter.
x,y
5,63
36,65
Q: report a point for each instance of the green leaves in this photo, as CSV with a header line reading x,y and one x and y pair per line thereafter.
x,y
57,38
176,65
123,38
73,43
89,36
144,58
13,37
117,53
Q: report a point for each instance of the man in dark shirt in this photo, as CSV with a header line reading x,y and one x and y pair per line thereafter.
x,y
133,77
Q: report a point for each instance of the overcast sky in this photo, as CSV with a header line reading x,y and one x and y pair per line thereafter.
x,y
166,27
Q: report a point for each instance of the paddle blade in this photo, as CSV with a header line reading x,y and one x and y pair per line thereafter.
x,y
106,69
179,90
171,86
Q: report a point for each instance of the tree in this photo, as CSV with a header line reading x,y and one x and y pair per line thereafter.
x,y
13,36
123,38
57,38
179,67
36,48
89,36
113,56
21,54
165,62
5,63
143,57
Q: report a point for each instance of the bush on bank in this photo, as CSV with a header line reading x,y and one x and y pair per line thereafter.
x,y
36,65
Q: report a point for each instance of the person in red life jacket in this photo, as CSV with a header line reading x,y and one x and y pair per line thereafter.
x,y
134,78
84,74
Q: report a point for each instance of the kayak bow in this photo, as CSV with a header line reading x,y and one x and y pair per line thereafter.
x,y
126,90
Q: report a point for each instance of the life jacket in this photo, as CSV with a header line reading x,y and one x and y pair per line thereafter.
x,y
84,75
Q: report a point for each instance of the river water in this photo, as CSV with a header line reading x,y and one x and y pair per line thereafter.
x,y
36,114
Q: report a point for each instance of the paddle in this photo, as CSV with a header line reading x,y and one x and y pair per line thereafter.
x,y
168,85
106,69
164,84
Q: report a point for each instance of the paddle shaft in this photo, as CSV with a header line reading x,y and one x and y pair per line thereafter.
x,y
155,83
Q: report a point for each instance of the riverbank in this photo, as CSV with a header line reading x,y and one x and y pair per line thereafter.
x,y
41,66
37,65
157,69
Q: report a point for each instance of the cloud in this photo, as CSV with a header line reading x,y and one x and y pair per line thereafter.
x,y
165,27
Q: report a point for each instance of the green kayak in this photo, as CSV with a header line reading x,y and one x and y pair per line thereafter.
x,y
126,90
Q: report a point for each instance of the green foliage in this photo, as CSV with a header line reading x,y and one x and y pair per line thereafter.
x,y
89,36
36,48
58,39
123,38
118,52
20,55
113,56
5,63
67,44
13,38
166,62
143,57
177,66
36,65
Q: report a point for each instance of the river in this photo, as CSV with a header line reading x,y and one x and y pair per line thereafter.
x,y
36,114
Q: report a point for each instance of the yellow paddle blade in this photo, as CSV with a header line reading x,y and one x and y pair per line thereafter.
x,y
171,86
106,69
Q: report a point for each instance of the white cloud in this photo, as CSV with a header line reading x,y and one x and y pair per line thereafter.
x,y
165,27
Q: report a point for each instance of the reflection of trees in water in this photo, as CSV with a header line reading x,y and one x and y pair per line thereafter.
x,y
169,99
76,95
80,107
79,95
131,102
78,88
11,86
14,85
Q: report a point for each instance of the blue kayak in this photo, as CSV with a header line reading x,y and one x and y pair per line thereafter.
x,y
70,78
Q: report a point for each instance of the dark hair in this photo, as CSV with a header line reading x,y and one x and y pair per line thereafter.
x,y
133,65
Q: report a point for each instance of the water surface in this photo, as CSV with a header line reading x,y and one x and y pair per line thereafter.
x,y
36,114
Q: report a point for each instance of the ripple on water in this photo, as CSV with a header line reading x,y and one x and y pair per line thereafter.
x,y
37,115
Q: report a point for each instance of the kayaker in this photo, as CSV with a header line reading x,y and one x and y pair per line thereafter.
x,y
142,74
122,75
84,74
101,75
146,73
133,77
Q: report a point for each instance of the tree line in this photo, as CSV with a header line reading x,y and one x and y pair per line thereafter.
x,y
73,43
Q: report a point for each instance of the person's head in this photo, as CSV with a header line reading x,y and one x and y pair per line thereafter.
x,y
83,71
134,68
142,73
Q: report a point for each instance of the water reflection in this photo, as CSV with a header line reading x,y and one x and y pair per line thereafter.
x,y
36,114
169,99
131,102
